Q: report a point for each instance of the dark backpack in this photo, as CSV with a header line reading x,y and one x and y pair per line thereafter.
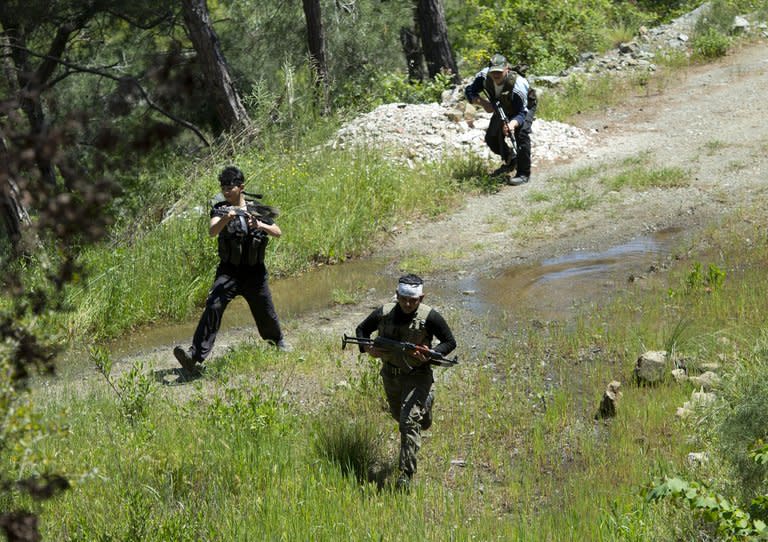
x,y
533,99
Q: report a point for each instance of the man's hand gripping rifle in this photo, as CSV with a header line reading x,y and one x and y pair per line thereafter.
x,y
245,218
435,358
510,135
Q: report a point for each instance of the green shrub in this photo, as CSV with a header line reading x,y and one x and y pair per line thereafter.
x,y
710,44
743,423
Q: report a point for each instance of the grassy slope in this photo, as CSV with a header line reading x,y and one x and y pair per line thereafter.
x,y
514,454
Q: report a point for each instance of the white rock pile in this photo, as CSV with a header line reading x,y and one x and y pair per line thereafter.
x,y
432,132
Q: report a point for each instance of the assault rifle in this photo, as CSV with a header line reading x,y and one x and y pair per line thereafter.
x,y
496,104
435,358
239,225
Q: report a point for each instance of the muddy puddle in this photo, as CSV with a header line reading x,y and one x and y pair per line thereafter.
x,y
556,288
549,290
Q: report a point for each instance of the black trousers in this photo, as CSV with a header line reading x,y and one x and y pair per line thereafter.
x,y
231,281
494,138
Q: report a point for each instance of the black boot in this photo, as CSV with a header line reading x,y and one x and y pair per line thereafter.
x,y
185,359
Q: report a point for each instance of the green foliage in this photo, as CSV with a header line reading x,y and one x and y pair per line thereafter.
x,y
265,42
165,272
644,178
760,453
579,94
731,521
243,410
344,297
471,171
711,34
134,389
710,44
355,445
712,280
548,35
372,88
673,343
697,280
741,427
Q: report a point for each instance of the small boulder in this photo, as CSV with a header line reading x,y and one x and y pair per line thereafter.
x,y
651,367
679,375
706,381
697,458
609,402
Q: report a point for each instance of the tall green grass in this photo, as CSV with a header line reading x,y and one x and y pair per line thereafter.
x,y
514,453
334,205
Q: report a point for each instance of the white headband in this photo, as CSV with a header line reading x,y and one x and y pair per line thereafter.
x,y
409,290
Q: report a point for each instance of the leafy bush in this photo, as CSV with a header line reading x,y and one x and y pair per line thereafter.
x,y
134,389
380,87
710,44
744,422
730,520
547,35
243,410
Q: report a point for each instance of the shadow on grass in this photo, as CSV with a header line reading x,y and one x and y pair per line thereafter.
x,y
175,377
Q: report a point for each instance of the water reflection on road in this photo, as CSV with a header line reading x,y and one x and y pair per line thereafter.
x,y
546,290
552,289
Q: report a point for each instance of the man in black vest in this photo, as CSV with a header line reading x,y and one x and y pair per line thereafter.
x,y
499,86
243,229
407,377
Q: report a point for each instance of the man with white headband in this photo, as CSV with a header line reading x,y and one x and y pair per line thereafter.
x,y
407,376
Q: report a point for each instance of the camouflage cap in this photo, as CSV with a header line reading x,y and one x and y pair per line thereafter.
x,y
498,63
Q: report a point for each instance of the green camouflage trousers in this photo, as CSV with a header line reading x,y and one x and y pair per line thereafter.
x,y
410,403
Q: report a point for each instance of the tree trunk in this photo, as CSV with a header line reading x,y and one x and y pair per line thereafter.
x,y
434,38
12,213
316,42
414,56
29,83
229,107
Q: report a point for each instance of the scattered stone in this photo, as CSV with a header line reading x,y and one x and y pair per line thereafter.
x,y
740,25
651,367
698,399
433,132
702,398
706,381
697,458
610,401
679,375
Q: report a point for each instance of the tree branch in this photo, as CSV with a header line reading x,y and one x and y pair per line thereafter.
x,y
144,94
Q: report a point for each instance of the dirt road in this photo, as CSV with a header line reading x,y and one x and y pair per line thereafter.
x,y
712,121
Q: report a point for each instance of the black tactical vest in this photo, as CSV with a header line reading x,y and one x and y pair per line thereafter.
x,y
239,245
415,333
